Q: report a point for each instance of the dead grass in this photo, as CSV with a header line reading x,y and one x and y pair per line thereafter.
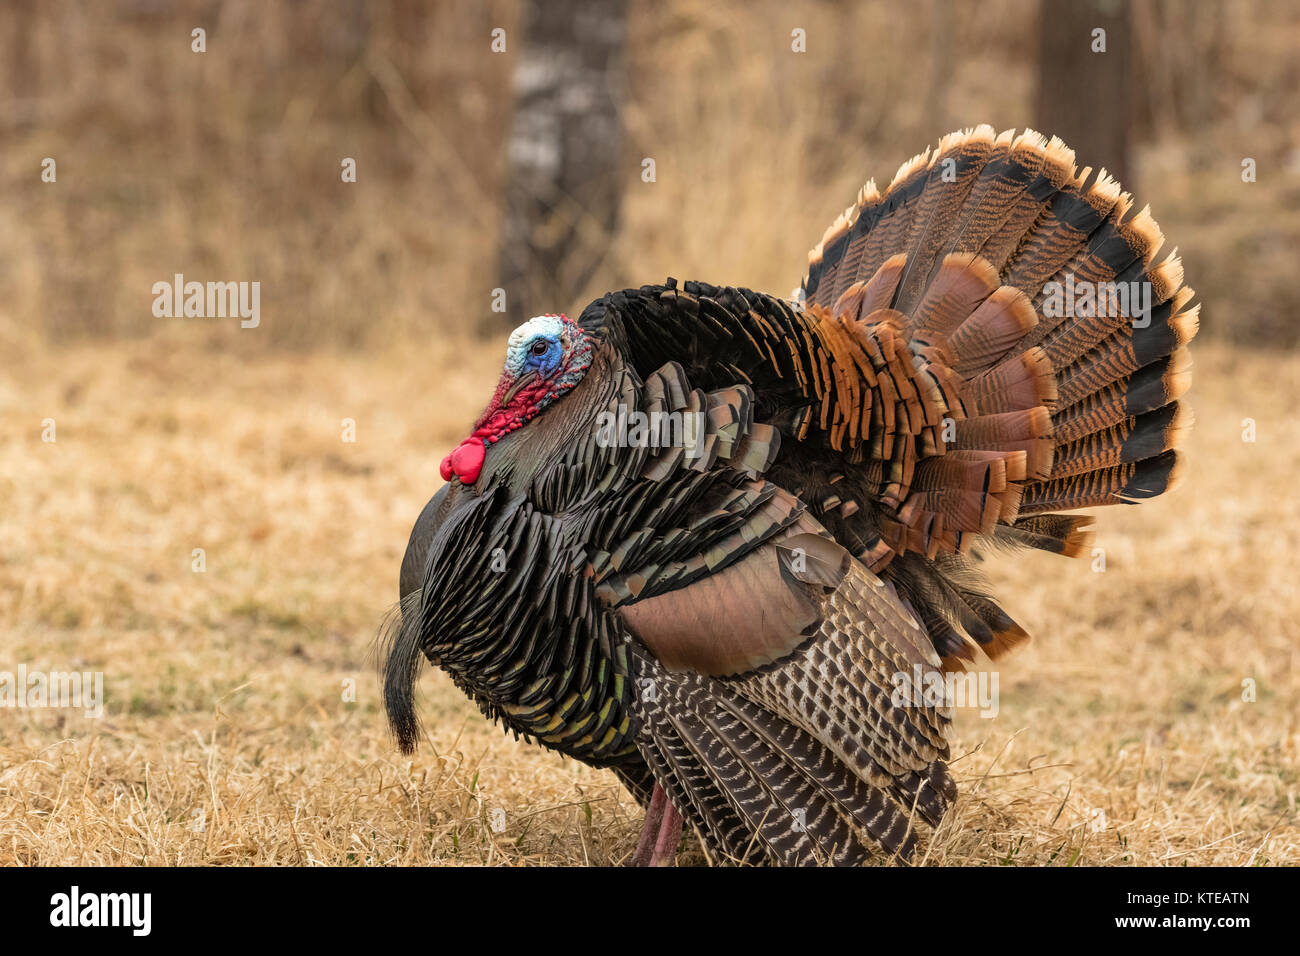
x,y
1122,736
225,165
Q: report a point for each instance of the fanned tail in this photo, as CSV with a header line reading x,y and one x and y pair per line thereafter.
x,y
981,244
1041,329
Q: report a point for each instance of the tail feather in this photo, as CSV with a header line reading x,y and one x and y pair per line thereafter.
x,y
1057,172
992,227
1069,535
984,338
1047,408
1145,436
1013,164
1159,375
1107,486
940,207
1066,223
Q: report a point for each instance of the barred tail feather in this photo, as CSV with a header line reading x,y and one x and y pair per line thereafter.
x,y
971,244
1047,408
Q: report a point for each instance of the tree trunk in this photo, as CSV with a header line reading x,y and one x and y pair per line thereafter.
x,y
1087,97
564,154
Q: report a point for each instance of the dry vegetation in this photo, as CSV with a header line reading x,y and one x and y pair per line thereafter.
x,y
227,738
1122,736
225,165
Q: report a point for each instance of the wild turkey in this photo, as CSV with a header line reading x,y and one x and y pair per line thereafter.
x,y
721,617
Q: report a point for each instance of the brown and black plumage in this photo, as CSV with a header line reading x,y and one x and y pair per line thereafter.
x,y
721,616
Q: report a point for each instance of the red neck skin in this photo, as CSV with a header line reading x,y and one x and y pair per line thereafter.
x,y
466,460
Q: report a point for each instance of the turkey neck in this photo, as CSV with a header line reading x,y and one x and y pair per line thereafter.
x,y
514,462
508,609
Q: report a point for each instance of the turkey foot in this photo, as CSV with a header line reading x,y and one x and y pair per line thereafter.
x,y
660,834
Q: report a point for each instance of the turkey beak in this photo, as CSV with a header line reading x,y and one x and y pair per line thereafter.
x,y
520,382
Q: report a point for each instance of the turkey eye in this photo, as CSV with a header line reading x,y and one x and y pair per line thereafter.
x,y
540,347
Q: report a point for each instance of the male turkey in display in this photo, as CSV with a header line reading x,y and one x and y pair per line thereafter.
x,y
719,607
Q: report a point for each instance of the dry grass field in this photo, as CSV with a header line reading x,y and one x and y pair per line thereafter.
x,y
1155,718
228,736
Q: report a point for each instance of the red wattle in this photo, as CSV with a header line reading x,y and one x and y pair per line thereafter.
x,y
465,461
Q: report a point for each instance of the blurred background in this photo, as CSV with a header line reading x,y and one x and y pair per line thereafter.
x,y
515,160
214,517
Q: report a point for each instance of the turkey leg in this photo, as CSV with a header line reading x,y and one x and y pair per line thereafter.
x,y
670,836
660,834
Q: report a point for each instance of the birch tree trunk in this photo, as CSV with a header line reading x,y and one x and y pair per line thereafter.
x,y
564,154
1087,97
